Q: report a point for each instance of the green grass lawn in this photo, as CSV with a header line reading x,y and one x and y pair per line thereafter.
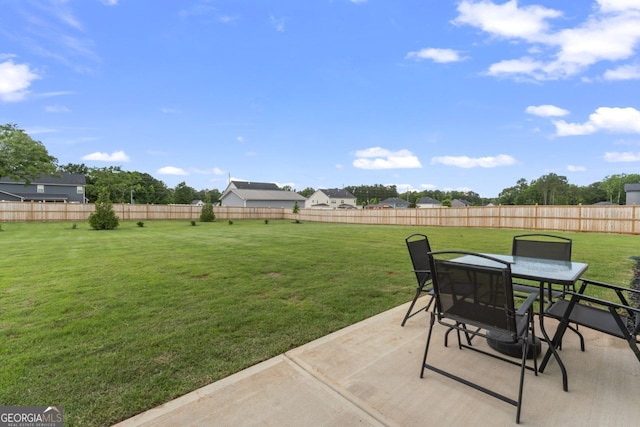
x,y
111,323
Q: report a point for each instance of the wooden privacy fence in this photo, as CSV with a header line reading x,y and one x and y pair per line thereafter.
x,y
591,218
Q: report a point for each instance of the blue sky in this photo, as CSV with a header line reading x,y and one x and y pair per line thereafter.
x,y
423,94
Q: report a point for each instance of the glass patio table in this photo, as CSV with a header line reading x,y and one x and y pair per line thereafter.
x,y
543,271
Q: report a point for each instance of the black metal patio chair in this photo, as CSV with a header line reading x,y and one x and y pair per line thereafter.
x,y
419,248
546,246
616,318
476,300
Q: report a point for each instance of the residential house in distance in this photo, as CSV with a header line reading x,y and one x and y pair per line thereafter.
x,y
459,203
428,202
331,198
633,194
259,195
394,202
65,188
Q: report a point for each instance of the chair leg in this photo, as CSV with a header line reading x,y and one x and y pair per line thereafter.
x,y
413,303
446,336
575,329
525,350
426,349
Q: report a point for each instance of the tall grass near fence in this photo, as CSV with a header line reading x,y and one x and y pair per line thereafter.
x,y
111,323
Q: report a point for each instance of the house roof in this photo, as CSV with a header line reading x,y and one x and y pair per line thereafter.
x,y
428,201
65,178
395,202
248,185
462,202
266,194
337,193
36,197
632,187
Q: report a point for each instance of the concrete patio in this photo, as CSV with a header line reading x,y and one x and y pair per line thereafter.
x,y
368,374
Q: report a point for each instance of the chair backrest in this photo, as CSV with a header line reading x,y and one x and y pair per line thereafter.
x,y
419,248
477,295
545,246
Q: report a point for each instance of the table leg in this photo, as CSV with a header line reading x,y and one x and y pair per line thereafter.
x,y
553,343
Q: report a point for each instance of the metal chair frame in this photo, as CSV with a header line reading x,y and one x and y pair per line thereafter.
x,y
475,300
419,248
618,319
547,246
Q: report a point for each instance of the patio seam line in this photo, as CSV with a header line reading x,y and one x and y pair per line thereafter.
x,y
341,392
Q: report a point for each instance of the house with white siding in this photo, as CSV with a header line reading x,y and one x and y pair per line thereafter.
x,y
331,198
259,195
428,202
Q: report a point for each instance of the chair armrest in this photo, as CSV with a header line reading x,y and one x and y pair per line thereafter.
x,y
421,271
603,302
610,286
526,305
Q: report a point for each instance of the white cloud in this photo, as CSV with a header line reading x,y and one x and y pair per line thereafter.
x,y
214,171
574,168
358,1
470,162
610,33
613,120
15,80
52,94
508,67
110,2
624,72
56,109
506,20
601,38
436,55
170,170
428,186
622,157
546,111
278,23
226,19
618,5
380,158
40,130
169,110
116,156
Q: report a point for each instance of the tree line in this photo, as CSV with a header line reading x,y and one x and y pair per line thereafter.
x,y
24,159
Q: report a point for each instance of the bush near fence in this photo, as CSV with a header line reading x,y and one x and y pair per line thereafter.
x,y
592,219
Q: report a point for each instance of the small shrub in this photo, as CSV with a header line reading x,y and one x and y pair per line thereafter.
x,y
207,215
104,218
193,223
140,224
298,221
74,226
266,221
230,222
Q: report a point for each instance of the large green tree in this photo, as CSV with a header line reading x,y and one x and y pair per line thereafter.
x,y
613,186
183,194
21,157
